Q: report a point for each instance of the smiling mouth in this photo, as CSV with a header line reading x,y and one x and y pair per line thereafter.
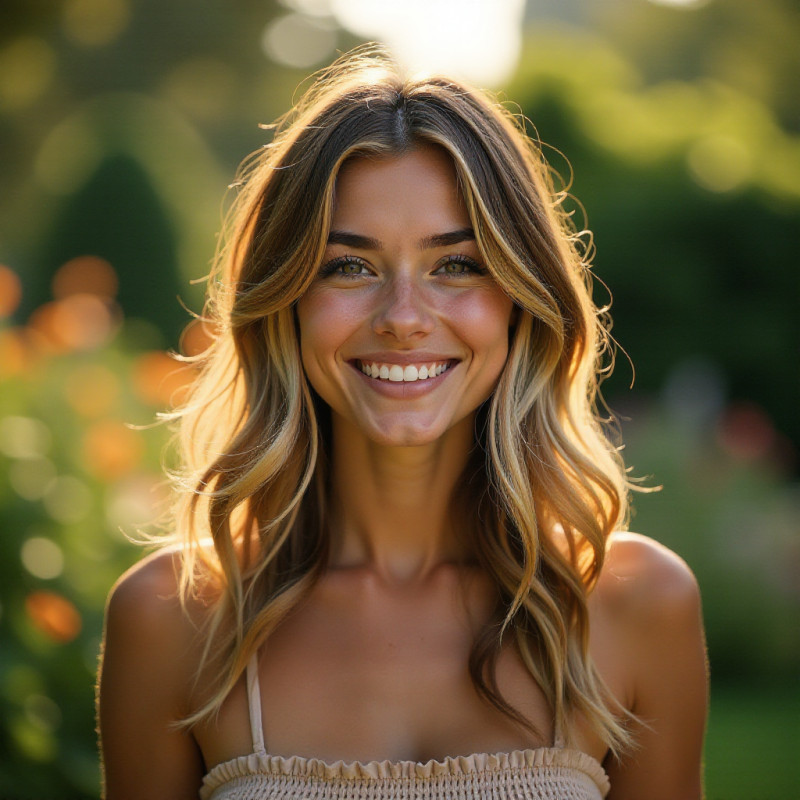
x,y
397,373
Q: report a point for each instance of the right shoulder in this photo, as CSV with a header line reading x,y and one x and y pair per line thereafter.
x,y
147,595
151,647
148,626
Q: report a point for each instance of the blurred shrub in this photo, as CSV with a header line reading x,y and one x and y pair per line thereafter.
x,y
73,476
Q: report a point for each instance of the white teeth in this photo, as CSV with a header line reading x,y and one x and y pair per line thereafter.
x,y
399,374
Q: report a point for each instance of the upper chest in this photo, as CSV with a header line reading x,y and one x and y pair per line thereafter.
x,y
365,672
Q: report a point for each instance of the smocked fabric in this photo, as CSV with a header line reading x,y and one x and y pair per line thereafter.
x,y
543,774
547,773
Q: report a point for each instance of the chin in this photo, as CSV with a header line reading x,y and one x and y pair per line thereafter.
x,y
403,436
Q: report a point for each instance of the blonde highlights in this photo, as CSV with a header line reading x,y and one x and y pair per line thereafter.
x,y
544,487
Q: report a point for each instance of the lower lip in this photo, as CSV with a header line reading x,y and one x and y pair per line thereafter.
x,y
404,389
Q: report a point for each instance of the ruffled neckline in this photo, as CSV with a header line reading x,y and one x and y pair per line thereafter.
x,y
451,766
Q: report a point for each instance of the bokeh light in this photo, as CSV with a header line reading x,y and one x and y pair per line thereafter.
x,y
159,380
92,390
136,501
719,163
27,67
85,275
54,615
196,338
478,41
205,88
67,499
94,23
746,432
77,322
111,449
42,557
10,291
30,478
15,352
299,41
24,437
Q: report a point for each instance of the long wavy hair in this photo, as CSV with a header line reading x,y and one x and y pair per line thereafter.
x,y
544,489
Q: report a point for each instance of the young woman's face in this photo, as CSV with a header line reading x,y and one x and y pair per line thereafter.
x,y
403,333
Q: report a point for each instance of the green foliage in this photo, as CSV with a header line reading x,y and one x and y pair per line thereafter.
x,y
72,478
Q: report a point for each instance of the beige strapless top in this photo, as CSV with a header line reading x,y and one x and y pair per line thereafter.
x,y
547,773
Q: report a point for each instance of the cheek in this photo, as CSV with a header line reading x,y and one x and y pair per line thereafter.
x,y
325,320
485,318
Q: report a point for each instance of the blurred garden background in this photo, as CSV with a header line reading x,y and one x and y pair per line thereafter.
x,y
123,121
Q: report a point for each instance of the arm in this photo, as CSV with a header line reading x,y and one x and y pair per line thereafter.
x,y
145,673
663,638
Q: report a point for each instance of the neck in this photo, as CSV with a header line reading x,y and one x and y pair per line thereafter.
x,y
392,508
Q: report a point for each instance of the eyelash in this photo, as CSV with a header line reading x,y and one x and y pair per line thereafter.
x,y
332,266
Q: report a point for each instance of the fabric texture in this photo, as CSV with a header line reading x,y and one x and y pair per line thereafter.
x,y
547,773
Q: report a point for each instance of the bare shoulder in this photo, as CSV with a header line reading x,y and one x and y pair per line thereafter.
x,y
150,651
145,603
149,631
643,581
648,609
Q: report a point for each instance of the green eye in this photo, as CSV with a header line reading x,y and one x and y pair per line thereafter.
x,y
344,267
455,266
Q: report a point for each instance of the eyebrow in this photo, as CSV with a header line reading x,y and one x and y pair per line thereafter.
x,y
368,243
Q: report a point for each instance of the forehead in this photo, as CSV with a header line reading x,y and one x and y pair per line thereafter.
x,y
400,190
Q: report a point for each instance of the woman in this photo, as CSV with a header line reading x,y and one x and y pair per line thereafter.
x,y
401,571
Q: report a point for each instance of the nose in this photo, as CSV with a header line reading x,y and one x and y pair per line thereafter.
x,y
404,313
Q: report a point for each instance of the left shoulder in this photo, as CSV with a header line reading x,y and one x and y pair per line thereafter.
x,y
648,606
645,582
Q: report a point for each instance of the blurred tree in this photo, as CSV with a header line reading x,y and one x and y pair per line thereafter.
x,y
118,216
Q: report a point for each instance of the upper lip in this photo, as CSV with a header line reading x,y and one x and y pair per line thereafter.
x,y
404,358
